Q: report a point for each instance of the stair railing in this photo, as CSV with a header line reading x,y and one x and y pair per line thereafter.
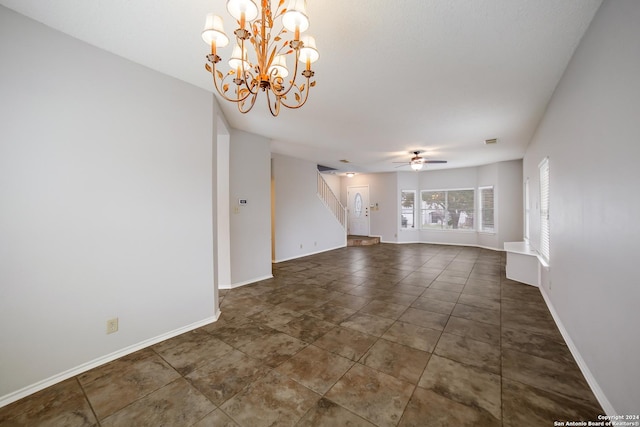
x,y
331,201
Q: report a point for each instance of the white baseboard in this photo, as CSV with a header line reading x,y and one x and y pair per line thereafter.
x,y
595,387
40,385
247,282
309,254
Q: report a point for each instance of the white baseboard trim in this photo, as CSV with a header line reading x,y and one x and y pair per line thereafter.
x,y
310,253
40,385
595,387
247,282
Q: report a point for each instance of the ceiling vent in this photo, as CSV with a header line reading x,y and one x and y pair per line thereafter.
x,y
491,141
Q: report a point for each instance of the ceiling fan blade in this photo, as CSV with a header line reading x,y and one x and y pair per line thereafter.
x,y
406,164
434,161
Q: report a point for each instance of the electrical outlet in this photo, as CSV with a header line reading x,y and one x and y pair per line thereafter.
x,y
112,325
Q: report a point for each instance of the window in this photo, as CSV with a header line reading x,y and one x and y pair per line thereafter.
x,y
486,210
544,208
527,210
447,209
407,209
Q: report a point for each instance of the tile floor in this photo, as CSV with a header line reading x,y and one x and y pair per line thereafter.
x,y
386,335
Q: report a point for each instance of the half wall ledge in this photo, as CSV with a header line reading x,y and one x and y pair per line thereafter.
x,y
523,263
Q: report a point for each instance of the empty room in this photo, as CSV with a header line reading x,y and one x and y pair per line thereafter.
x,y
319,213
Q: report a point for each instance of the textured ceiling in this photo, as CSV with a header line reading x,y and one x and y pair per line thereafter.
x,y
393,76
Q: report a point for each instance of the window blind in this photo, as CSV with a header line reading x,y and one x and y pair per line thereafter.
x,y
544,209
487,221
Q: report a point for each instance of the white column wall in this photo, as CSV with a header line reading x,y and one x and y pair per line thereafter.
x,y
250,171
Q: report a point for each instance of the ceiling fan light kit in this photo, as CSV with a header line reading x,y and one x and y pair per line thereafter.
x,y
417,162
265,67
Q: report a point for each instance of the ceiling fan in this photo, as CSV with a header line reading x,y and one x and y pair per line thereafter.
x,y
417,161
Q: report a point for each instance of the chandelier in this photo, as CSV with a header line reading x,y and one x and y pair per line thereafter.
x,y
266,68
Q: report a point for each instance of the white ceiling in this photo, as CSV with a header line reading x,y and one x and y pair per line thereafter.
x,y
393,76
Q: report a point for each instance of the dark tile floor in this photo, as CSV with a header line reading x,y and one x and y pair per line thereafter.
x,y
386,335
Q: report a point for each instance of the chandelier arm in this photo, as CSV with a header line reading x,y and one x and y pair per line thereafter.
x,y
295,77
221,93
306,96
276,104
253,87
253,101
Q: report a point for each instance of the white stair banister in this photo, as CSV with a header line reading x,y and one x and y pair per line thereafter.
x,y
331,201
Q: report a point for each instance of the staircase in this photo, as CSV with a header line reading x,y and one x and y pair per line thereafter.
x,y
332,202
340,213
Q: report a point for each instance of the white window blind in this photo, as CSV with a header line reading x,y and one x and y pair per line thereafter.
x,y
527,210
544,209
486,209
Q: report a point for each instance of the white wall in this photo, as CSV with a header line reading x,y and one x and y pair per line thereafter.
x,y
250,172
590,134
509,194
303,224
506,179
106,183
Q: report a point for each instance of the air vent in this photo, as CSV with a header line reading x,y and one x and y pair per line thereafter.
x,y
491,141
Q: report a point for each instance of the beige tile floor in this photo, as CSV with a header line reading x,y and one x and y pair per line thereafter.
x,y
386,335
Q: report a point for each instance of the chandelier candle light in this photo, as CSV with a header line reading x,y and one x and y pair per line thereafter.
x,y
267,69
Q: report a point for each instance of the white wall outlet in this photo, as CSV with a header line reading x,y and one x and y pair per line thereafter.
x,y
112,325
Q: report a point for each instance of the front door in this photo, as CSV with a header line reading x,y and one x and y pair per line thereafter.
x,y
358,207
